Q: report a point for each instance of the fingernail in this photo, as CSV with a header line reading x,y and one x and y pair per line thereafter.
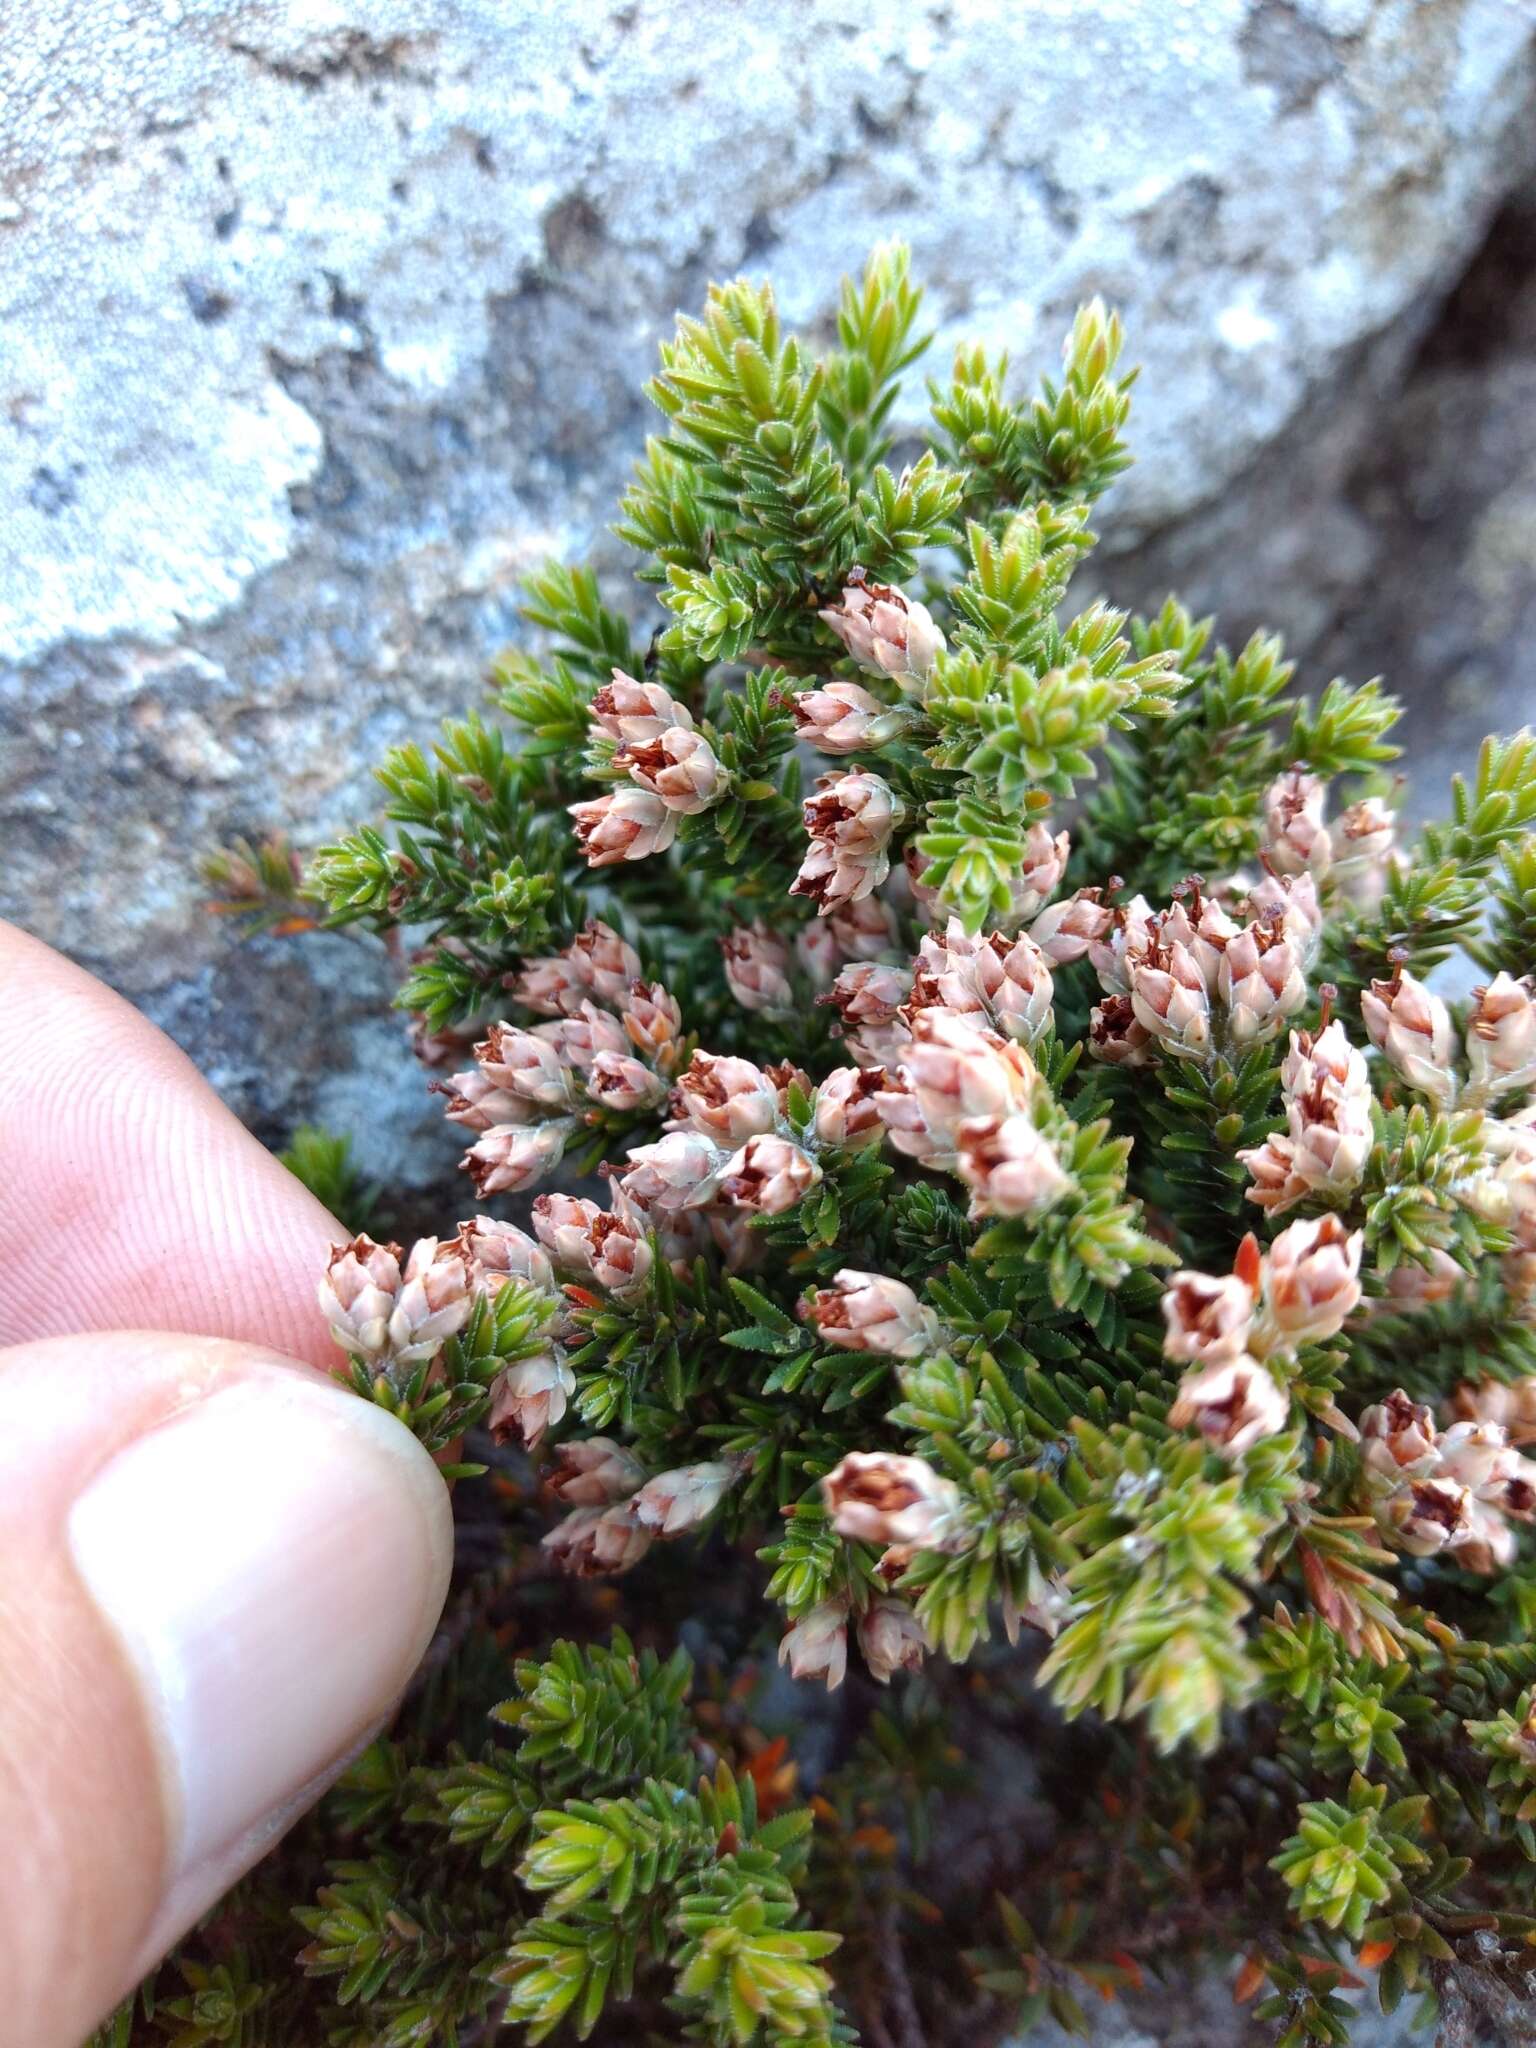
x,y
274,1560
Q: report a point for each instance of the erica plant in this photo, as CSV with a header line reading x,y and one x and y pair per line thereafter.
x,y
976,1194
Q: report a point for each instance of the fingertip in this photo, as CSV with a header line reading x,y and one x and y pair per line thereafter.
x,y
131,1196
235,1566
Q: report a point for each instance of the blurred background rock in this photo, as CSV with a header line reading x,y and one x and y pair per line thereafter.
x,y
322,320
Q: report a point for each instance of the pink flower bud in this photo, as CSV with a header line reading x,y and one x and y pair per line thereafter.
x,y
1413,1029
358,1296
675,1501
1296,841
1477,1455
608,964
892,1639
1513,1407
846,1110
726,1098
1323,1061
633,713
511,1157
1131,930
906,1126
768,1175
869,997
498,1252
817,1645
626,824
757,968
1362,850
1501,1037
564,1225
831,876
620,1082
1487,1544
1169,998
886,631
1294,899
552,986
1365,832
865,930
530,1397
856,813
1235,1402
1205,930
872,1312
1045,862
621,1254
679,766
1115,1036
1398,1436
817,951
434,1302
1049,1605
582,1038
1261,982
680,1171
654,1023
597,964
1511,1486
958,1072
850,819
594,1541
1427,1516
1411,1286
1311,1279
1328,1110
1011,1168
946,974
527,1063
882,1497
592,1471
1067,929
478,1102
840,718
1208,1318
1015,981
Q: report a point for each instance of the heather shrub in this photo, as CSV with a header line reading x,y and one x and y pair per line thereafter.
x,y
999,1302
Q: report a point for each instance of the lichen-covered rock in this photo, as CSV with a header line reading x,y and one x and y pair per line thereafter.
x,y
323,323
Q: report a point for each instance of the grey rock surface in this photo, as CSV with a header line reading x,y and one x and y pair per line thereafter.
x,y
325,319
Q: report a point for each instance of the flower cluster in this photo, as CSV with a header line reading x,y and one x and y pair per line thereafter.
x,y
1452,1490
1195,980
886,632
671,767
610,1050
1355,854
961,1097
391,1316
850,819
1001,982
1322,1151
1412,1029
876,1497
615,1513
1234,1330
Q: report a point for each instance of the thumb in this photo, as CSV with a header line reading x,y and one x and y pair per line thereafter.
x,y
217,1572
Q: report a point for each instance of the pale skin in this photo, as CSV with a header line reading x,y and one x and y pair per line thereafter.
x,y
153,1259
